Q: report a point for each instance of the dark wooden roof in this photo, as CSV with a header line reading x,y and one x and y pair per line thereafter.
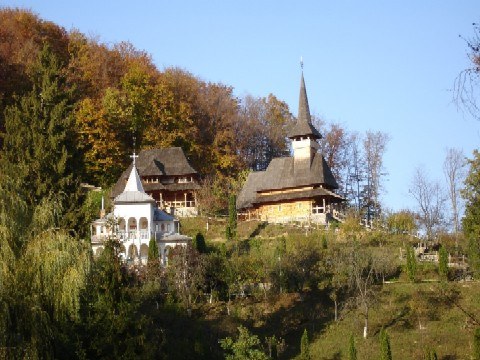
x,y
296,195
159,163
286,173
303,126
165,162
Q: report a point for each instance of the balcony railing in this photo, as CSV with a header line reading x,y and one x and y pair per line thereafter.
x,y
176,204
133,234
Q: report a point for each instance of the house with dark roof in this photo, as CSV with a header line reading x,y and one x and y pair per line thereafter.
x,y
299,188
167,177
134,221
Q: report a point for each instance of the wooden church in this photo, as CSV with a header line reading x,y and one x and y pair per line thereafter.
x,y
299,188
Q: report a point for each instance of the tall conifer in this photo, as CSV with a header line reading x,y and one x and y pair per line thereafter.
x,y
385,350
39,148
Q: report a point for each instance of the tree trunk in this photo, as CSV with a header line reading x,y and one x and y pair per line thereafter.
x,y
336,310
365,328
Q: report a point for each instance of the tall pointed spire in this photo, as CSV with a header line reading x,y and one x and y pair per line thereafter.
x,y
134,183
304,126
303,108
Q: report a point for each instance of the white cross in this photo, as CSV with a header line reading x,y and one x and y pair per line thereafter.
x,y
134,157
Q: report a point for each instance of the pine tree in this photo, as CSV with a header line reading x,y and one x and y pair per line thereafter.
x,y
385,351
153,253
476,344
305,346
411,264
231,231
39,148
471,194
352,351
431,355
443,263
199,243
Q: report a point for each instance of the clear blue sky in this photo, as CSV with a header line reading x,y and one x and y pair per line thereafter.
x,y
372,65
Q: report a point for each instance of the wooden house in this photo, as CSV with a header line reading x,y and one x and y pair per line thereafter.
x,y
299,188
168,177
134,221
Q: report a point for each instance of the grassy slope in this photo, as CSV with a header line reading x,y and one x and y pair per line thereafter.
x,y
401,308
445,327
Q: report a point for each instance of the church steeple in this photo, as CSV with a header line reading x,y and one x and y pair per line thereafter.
x,y
303,126
304,136
134,183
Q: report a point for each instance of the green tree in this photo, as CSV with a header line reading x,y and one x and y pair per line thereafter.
x,y
443,263
231,231
199,243
153,253
40,143
352,350
42,277
411,263
245,347
471,220
476,344
431,355
305,346
402,222
385,350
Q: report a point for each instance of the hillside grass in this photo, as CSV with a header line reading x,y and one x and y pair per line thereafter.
x,y
417,316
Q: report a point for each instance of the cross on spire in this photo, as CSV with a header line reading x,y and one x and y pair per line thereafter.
x,y
134,157
301,62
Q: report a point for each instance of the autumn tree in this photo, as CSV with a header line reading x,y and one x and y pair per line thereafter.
x,y
334,146
261,130
22,37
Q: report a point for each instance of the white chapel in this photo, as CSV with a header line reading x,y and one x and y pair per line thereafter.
x,y
134,221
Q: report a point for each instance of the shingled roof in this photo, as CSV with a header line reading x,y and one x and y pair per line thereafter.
x,y
158,162
303,126
167,161
286,173
292,173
